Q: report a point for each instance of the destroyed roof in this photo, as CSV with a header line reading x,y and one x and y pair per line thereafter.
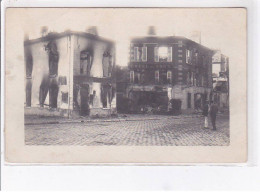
x,y
56,35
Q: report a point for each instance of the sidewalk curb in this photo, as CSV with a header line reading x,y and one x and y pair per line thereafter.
x,y
88,121
111,120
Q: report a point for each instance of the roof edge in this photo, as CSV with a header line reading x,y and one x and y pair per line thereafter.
x,y
56,35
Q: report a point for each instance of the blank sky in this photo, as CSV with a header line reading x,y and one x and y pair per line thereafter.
x,y
222,28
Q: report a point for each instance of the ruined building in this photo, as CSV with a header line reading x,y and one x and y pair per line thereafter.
x,y
70,72
220,75
166,68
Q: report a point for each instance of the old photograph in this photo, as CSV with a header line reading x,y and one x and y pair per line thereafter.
x,y
112,77
170,90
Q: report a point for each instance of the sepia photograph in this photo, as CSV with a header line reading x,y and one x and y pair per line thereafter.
x,y
120,77
168,91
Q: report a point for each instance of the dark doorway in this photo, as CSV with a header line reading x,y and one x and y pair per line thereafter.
x,y
84,98
189,100
53,92
198,101
28,93
44,88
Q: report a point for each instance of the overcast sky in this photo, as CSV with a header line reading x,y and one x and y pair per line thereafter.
x,y
220,28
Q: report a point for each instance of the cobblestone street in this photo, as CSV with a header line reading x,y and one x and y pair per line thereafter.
x,y
156,131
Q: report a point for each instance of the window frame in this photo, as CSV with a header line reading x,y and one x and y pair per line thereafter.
x,y
132,76
169,77
144,50
65,97
157,54
188,56
169,58
135,53
157,78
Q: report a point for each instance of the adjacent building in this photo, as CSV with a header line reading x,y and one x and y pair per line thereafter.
x,y
165,68
220,75
70,73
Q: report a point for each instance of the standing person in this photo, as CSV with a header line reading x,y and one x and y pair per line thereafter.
x,y
205,113
213,114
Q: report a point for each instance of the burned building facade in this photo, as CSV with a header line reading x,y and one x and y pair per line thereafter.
x,y
166,68
70,72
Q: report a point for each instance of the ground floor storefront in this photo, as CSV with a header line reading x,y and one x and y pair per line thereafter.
x,y
84,97
94,96
165,98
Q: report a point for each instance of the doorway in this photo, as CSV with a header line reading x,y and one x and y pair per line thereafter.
x,y
84,100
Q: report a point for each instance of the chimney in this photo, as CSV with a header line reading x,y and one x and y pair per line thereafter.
x,y
44,31
151,31
92,30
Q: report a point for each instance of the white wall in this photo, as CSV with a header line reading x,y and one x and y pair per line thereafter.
x,y
99,47
41,68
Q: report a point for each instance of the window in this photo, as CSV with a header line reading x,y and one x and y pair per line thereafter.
x,y
144,53
137,78
192,78
131,76
189,100
63,80
188,56
85,62
196,57
169,77
179,43
140,53
202,81
156,55
107,64
169,59
64,97
157,77
163,54
188,80
53,53
135,53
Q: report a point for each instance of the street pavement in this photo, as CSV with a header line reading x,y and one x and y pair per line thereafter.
x,y
141,130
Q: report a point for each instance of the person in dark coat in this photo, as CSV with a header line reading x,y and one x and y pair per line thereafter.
x,y
213,114
205,113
